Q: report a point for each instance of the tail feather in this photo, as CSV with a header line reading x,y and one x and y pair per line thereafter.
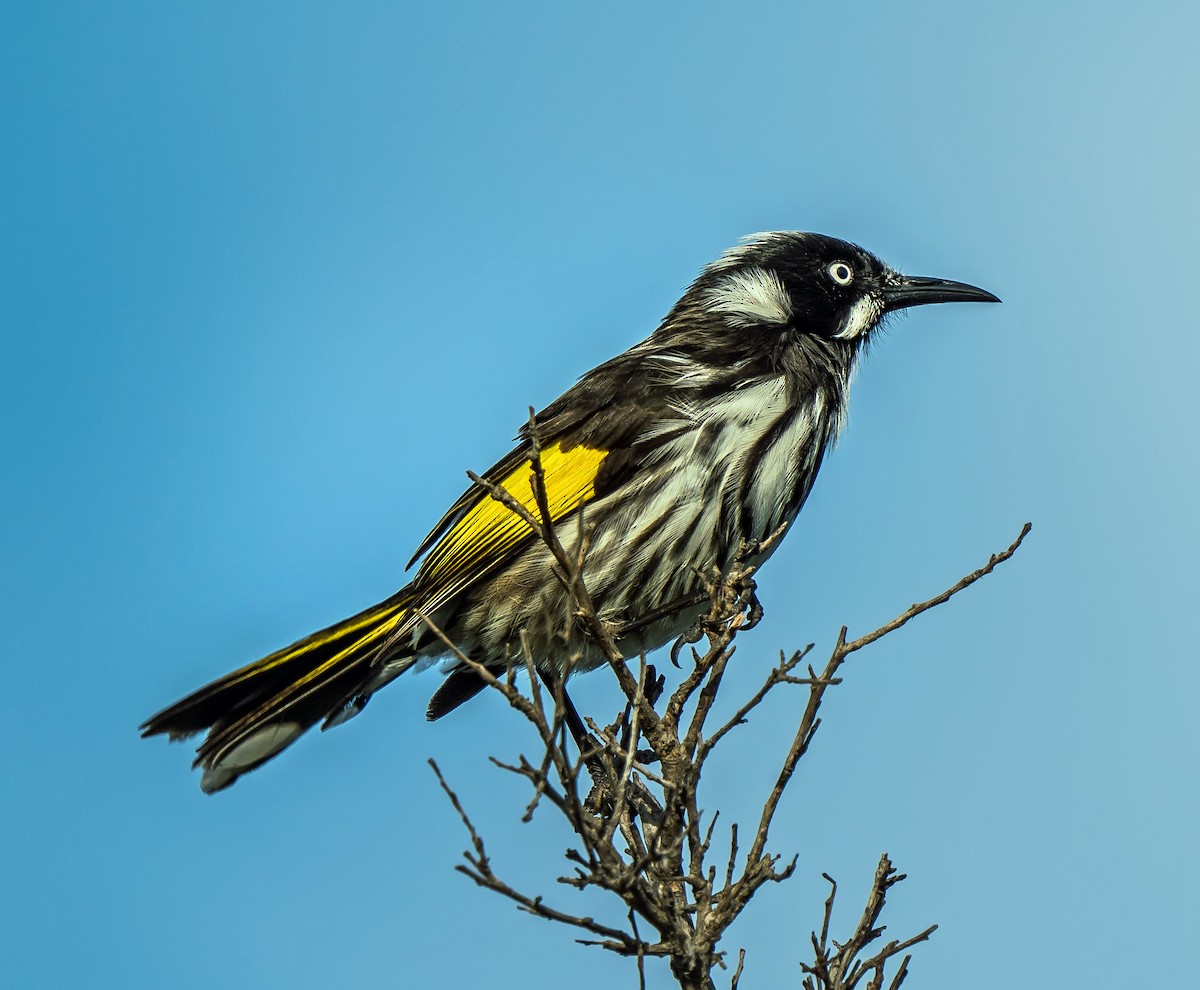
x,y
254,712
457,689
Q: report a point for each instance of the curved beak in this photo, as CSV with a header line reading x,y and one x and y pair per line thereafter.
x,y
902,291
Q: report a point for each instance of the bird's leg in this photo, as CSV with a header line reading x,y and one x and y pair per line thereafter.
x,y
589,747
653,689
600,798
732,594
748,601
583,738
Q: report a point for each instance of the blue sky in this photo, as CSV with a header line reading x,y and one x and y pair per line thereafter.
x,y
273,276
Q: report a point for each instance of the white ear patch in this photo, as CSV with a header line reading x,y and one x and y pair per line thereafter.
x,y
863,315
752,295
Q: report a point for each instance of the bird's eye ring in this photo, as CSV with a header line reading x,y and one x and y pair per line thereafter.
x,y
841,273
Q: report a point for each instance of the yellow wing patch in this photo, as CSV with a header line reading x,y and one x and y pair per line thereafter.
x,y
489,529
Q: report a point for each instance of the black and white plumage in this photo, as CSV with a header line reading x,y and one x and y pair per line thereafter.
x,y
707,434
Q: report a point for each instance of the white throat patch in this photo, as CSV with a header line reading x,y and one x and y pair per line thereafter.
x,y
863,315
752,295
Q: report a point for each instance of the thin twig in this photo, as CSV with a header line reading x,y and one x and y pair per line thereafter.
x,y
915,610
480,871
842,649
779,675
737,973
662,872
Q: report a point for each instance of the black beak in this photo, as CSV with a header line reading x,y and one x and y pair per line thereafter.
x,y
902,291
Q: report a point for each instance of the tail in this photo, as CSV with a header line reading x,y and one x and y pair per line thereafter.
x,y
257,711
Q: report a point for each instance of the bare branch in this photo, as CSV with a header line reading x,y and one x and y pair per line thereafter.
x,y
913,611
837,966
480,871
737,973
779,675
809,721
642,834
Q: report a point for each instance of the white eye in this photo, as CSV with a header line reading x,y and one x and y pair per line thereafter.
x,y
840,272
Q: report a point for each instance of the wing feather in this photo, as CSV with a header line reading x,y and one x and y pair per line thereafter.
x,y
483,532
593,439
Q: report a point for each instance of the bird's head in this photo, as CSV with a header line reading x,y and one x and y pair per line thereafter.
x,y
813,284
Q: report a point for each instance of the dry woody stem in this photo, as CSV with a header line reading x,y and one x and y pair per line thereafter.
x,y
630,790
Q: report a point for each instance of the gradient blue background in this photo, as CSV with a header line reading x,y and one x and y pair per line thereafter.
x,y
273,275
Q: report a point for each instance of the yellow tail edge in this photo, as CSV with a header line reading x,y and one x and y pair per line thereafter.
x,y
253,713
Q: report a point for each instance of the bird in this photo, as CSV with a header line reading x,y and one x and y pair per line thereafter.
x,y
703,439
